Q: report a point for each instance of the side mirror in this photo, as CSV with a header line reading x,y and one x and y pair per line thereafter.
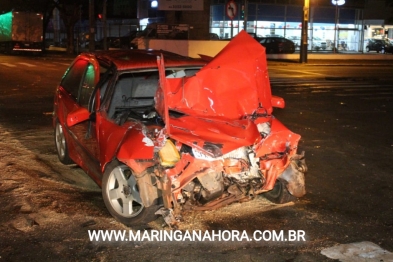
x,y
78,116
278,102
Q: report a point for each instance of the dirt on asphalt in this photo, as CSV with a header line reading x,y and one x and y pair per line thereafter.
x,y
48,208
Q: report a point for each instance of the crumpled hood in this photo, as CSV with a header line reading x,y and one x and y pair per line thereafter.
x,y
216,103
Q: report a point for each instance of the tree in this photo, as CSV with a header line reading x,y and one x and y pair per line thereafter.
x,y
70,14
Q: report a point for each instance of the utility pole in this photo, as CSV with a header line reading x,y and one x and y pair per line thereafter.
x,y
78,39
92,24
245,14
304,39
105,25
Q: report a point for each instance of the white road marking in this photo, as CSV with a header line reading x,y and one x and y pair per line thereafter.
x,y
9,65
366,94
27,64
67,64
298,71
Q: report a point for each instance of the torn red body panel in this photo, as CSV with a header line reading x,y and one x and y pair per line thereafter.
x,y
224,100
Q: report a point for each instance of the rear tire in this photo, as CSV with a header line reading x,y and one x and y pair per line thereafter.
x,y
279,194
122,198
61,145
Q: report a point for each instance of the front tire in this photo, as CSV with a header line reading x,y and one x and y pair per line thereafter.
x,y
61,145
122,198
279,194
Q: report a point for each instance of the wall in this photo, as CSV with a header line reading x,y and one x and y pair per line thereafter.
x,y
183,47
197,20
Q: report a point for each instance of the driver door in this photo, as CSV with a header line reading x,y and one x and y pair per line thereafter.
x,y
83,77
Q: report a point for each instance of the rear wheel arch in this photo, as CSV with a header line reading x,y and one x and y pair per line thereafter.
x,y
61,144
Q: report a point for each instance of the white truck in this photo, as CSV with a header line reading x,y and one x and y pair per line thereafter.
x,y
21,32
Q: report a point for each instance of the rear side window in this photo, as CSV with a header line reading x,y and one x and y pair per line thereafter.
x,y
73,78
87,86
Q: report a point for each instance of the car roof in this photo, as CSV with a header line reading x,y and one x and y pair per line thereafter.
x,y
280,37
142,59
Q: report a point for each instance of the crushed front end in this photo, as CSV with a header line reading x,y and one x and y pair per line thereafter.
x,y
222,142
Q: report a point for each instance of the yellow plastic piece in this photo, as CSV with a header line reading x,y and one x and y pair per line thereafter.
x,y
169,154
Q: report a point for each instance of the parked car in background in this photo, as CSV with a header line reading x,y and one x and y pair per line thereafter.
x,y
296,40
214,36
113,42
278,45
123,42
318,44
255,36
161,133
379,45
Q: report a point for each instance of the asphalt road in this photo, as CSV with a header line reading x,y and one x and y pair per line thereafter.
x,y
343,112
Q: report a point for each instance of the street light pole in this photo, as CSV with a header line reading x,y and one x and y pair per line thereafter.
x,y
304,38
104,25
336,3
335,30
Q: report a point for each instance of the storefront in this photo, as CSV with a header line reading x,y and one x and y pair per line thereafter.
x,y
329,26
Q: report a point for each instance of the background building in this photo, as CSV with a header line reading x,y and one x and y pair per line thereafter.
x,y
347,26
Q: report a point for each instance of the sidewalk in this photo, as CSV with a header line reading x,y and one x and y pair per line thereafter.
x,y
339,59
315,59
332,62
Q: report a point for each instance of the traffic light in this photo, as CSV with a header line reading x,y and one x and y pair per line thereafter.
x,y
242,12
99,16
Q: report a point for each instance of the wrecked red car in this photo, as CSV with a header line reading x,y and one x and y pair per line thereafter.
x,y
163,133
